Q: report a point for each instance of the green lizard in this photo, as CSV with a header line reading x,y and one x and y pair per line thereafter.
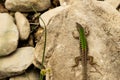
x,y
84,51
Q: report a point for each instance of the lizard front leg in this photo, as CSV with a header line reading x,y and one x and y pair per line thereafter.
x,y
75,33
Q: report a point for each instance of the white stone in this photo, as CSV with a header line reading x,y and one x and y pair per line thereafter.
x,y
22,25
68,2
103,24
46,17
31,75
8,34
26,5
17,62
114,3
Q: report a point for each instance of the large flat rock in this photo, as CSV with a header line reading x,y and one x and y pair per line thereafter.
x,y
103,23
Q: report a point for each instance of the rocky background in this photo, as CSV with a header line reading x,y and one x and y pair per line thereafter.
x,y
22,38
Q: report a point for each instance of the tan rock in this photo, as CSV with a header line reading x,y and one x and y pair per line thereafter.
x,y
103,23
22,25
8,34
17,62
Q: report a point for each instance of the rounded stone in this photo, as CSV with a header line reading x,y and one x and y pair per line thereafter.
x,y
17,62
26,5
22,25
8,34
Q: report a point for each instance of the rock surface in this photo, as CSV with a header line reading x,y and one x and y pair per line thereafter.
x,y
22,25
103,23
8,34
46,17
17,62
26,5
31,75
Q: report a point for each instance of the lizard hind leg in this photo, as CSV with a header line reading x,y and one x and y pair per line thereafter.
x,y
90,59
77,59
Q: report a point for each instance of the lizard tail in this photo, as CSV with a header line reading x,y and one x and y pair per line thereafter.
x,y
85,73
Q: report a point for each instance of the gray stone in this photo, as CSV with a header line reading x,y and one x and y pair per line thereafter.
x,y
26,5
8,34
31,75
22,25
103,23
46,17
17,62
